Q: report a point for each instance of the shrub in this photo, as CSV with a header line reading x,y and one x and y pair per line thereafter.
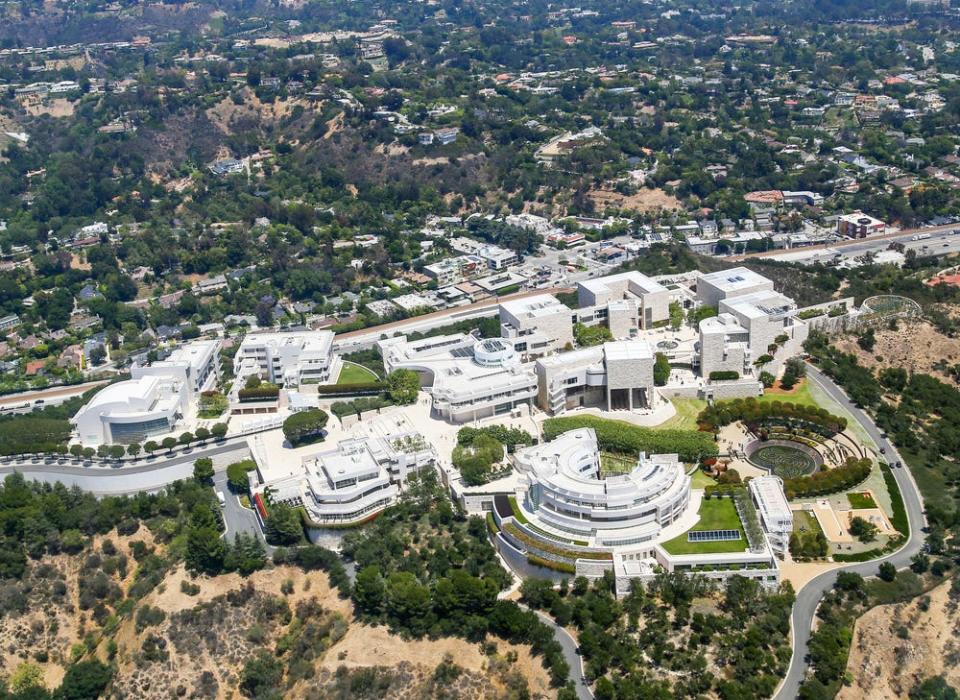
x,y
724,375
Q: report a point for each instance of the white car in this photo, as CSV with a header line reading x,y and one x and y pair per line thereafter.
x,y
221,498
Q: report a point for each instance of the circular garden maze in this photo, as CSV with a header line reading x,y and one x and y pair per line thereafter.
x,y
786,461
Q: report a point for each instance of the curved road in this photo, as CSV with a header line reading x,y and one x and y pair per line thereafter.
x,y
810,595
145,474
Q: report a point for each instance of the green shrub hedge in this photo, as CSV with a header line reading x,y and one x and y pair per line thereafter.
x,y
354,389
259,393
724,375
827,481
620,436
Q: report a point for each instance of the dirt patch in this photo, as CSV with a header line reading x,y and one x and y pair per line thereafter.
x,y
645,200
894,646
370,646
917,346
230,117
56,107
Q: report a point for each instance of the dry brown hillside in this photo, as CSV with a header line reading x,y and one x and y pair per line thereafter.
x,y
896,646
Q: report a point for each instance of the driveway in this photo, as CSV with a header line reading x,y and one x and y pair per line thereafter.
x,y
810,595
235,516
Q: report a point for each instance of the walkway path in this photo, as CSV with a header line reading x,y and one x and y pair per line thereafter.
x,y
809,596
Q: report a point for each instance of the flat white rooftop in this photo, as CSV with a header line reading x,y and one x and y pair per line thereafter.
x,y
534,307
768,491
602,284
628,350
735,280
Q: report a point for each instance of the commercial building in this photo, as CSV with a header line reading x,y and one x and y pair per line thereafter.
x,y
288,358
613,376
860,225
566,513
350,483
538,325
153,401
468,378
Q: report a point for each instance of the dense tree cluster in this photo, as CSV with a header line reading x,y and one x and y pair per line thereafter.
x,y
652,645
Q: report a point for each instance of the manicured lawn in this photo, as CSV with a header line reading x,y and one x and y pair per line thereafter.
x,y
715,514
804,521
355,374
686,417
861,500
701,480
801,395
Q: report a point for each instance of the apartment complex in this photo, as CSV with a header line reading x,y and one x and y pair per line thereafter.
x,y
288,358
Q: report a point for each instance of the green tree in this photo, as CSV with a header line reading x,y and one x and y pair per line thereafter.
x,y
202,434
261,675
219,430
237,475
26,675
133,449
150,447
203,470
186,438
887,572
676,315
283,525
168,443
408,603
403,386
661,370
369,590
305,426
85,680
588,336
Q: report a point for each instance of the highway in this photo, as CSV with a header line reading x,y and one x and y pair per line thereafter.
x,y
810,595
941,241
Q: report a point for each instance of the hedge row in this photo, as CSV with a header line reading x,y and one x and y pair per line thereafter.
x,y
354,389
899,519
626,438
827,481
258,393
724,375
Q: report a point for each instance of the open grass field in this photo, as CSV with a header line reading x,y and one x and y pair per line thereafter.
x,y
715,514
701,480
686,417
355,374
800,395
861,500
